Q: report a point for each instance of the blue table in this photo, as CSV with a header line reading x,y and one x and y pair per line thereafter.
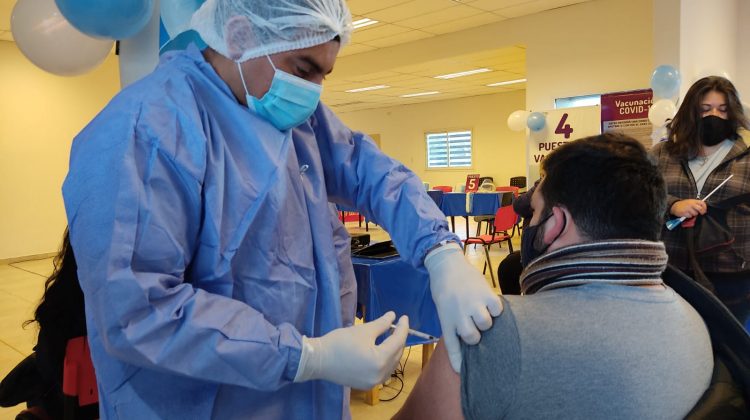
x,y
480,204
485,203
392,285
436,196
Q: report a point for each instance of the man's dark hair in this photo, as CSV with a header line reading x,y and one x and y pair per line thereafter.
x,y
610,186
684,129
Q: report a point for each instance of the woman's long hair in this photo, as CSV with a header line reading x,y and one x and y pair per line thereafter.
x,y
684,129
60,313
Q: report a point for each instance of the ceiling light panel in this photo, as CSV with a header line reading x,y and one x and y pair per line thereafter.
x,y
463,73
507,82
364,22
486,78
415,95
368,88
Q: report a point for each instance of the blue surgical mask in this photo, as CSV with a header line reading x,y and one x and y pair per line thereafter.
x,y
289,101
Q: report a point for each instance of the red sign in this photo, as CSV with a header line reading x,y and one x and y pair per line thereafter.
x,y
626,105
627,112
472,183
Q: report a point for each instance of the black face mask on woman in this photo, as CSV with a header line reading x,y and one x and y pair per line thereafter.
x,y
715,129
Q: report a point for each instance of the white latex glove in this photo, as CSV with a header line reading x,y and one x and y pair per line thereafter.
x,y
464,301
349,356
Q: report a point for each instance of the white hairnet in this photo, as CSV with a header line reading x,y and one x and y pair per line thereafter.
x,y
277,25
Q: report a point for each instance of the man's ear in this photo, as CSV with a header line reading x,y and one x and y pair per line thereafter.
x,y
239,36
556,225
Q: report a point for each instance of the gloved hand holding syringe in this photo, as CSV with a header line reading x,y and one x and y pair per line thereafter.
x,y
671,224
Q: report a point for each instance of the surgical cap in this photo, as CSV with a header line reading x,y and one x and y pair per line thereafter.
x,y
277,25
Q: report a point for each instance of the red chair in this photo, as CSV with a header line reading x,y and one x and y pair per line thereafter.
x,y
507,200
353,216
505,220
443,188
516,192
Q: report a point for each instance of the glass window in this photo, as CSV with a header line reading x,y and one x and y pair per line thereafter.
x,y
450,149
575,101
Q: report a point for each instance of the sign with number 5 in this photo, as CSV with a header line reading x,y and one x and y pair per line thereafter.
x,y
472,183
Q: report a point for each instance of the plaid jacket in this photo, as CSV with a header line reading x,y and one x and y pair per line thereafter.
x,y
681,185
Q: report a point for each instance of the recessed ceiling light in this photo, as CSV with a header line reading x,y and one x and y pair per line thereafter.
x,y
411,95
507,82
361,23
463,73
364,89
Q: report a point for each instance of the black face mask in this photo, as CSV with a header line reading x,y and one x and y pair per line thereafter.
x,y
529,249
714,130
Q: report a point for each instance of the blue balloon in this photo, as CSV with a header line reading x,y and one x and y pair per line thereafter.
x,y
112,19
535,121
665,82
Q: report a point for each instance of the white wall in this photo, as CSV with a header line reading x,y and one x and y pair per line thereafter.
x,y
681,39
39,115
743,53
596,47
402,134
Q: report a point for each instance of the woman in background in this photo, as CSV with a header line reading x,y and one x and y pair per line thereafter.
x,y
38,379
702,150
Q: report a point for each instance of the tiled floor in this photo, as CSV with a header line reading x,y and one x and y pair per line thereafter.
x,y
21,286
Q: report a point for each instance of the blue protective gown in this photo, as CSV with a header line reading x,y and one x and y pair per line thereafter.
x,y
206,246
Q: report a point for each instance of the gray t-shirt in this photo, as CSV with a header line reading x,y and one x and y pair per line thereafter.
x,y
596,351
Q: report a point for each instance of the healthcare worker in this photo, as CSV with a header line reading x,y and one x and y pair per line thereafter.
x,y
217,280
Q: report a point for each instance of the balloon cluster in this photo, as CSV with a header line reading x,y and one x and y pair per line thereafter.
x,y
71,37
522,119
665,83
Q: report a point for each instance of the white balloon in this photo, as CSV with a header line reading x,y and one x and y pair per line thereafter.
x,y
49,41
517,120
661,111
176,15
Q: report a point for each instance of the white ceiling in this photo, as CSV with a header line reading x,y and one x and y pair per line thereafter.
x,y
404,21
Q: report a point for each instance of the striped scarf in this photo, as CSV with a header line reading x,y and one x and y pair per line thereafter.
x,y
630,262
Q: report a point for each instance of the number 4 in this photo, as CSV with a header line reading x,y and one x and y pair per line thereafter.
x,y
564,129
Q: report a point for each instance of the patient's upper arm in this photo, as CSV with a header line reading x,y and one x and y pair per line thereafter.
x,y
486,386
436,394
